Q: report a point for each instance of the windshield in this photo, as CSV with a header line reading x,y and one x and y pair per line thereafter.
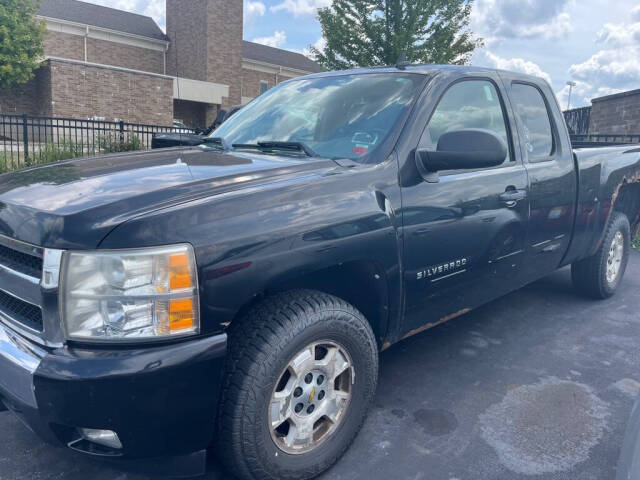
x,y
341,117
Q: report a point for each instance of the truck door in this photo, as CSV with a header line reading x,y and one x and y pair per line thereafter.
x,y
464,233
548,159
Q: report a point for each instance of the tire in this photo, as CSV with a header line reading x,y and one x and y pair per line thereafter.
x,y
262,346
590,275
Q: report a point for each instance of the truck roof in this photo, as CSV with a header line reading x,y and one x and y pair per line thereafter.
x,y
428,70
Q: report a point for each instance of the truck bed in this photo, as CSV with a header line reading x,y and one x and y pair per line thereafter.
x,y
607,177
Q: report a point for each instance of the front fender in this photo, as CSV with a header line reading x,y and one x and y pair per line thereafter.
x,y
249,240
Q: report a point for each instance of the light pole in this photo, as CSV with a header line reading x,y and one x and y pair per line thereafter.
x,y
571,85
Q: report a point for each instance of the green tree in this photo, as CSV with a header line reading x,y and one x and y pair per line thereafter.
x,y
377,32
20,42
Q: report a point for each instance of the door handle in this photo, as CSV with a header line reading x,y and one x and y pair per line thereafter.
x,y
512,196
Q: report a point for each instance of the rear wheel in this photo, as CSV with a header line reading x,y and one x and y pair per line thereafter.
x,y
301,373
600,275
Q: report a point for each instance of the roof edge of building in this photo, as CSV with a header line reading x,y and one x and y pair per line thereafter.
x,y
628,93
157,35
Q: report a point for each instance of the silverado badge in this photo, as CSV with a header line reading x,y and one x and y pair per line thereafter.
x,y
452,267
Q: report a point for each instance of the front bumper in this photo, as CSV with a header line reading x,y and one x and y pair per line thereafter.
x,y
160,400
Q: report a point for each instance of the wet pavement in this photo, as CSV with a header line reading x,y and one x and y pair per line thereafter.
x,y
539,383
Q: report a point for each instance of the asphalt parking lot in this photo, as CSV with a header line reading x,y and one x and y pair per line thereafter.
x,y
540,382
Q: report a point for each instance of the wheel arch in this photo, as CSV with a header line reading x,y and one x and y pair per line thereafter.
x,y
627,201
362,283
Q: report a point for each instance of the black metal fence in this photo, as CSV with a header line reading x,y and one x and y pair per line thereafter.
x,y
28,140
578,120
603,140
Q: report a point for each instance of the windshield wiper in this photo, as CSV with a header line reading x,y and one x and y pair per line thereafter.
x,y
291,147
218,142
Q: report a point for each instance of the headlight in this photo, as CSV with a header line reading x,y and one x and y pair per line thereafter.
x,y
130,295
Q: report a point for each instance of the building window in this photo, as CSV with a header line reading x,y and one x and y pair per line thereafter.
x,y
264,86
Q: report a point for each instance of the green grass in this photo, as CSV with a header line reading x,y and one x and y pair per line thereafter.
x,y
636,243
51,152
113,143
9,161
68,149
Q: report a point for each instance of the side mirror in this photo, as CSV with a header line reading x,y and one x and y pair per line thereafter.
x,y
463,150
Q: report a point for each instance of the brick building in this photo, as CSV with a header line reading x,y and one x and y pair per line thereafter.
x,y
618,113
114,65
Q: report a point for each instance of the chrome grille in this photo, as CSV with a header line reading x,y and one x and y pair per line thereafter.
x,y
29,290
21,311
21,262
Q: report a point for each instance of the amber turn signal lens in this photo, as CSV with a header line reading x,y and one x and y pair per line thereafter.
x,y
181,314
179,276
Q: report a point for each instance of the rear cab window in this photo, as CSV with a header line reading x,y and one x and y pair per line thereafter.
x,y
533,114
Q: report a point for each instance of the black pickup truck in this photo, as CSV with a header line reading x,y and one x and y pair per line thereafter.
x,y
233,297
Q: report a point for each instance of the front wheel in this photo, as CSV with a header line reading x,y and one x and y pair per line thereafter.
x,y
600,275
301,374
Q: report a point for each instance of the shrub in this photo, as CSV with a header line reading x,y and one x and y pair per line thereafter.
x,y
53,152
115,143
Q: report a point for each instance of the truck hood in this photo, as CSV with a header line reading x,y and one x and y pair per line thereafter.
x,y
76,204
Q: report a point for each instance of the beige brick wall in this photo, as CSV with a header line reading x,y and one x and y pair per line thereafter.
x,y
21,99
206,40
44,90
126,56
63,45
251,81
85,92
187,30
224,46
32,98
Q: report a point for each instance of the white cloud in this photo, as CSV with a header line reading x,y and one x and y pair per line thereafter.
x,y
615,67
582,94
320,45
490,59
301,7
152,8
278,39
615,35
155,9
253,10
521,19
619,65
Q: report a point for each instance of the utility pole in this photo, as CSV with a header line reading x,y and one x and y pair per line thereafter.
x,y
571,85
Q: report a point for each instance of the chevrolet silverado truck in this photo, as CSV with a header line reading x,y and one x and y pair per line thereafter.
x,y
232,298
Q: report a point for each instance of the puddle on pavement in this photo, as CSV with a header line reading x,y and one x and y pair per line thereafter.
x,y
546,427
436,422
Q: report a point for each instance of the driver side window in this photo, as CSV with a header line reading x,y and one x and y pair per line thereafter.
x,y
467,104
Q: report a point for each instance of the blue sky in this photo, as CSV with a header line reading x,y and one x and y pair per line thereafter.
x,y
595,43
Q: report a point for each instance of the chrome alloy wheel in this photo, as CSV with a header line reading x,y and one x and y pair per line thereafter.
x,y
311,397
614,260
